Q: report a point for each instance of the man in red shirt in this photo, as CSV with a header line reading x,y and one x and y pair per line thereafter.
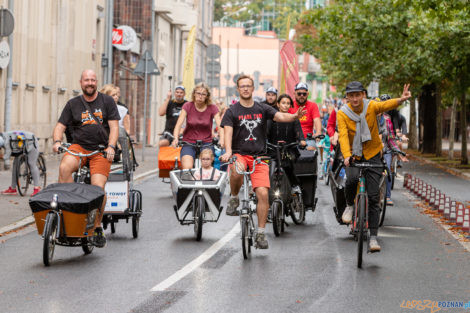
x,y
310,122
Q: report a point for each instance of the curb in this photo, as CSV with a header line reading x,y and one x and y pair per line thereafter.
x,y
30,219
442,167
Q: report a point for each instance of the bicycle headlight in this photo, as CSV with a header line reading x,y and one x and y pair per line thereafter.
x,y
277,193
90,219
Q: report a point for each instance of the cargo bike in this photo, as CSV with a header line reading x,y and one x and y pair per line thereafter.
x,y
123,201
66,213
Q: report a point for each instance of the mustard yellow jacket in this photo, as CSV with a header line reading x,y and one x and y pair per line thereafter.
x,y
347,128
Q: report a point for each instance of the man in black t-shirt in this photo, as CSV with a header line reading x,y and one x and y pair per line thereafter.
x,y
172,109
271,97
87,136
244,126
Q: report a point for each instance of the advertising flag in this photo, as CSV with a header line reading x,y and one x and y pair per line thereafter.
x,y
290,66
188,70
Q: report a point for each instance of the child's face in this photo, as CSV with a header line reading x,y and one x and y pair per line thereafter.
x,y
284,105
206,160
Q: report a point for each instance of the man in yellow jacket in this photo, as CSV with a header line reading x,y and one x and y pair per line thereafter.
x,y
359,139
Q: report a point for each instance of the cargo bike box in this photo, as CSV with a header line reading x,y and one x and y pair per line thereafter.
x,y
305,168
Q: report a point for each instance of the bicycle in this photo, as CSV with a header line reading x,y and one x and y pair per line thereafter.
x,y
283,201
328,165
360,225
248,206
394,165
23,172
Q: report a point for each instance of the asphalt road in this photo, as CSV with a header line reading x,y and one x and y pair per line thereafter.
x,y
310,268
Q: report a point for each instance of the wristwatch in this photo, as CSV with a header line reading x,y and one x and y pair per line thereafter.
x,y
112,146
56,141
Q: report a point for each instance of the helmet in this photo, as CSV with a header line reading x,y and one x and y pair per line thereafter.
x,y
385,97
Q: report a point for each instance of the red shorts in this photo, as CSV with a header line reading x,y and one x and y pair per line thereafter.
x,y
260,177
97,163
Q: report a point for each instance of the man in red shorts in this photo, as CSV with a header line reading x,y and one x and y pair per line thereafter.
x,y
244,126
88,135
310,122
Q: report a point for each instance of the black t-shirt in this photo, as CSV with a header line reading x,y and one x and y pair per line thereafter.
x,y
249,127
173,111
85,131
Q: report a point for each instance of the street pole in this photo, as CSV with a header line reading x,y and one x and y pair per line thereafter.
x,y
108,73
145,109
9,86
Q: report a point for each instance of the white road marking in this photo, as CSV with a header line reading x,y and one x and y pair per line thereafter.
x,y
403,227
194,264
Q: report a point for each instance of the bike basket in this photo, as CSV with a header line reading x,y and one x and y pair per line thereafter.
x,y
16,146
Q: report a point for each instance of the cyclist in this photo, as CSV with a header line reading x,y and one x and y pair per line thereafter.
x,y
245,135
172,109
271,97
359,139
310,122
287,132
32,148
90,129
198,114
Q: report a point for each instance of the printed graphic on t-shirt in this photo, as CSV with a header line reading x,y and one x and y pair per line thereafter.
x,y
87,119
250,121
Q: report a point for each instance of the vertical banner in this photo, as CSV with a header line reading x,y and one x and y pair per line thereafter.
x,y
290,66
188,72
282,86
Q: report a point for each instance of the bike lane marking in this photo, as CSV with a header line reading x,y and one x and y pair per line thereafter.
x,y
194,264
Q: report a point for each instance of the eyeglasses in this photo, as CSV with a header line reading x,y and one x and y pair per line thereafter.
x,y
201,94
206,159
245,87
301,94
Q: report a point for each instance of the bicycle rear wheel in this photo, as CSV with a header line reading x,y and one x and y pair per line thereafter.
x,y
199,216
297,211
360,228
394,170
41,163
382,199
277,218
49,238
245,237
23,175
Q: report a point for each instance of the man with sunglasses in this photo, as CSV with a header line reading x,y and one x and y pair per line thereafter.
x,y
310,122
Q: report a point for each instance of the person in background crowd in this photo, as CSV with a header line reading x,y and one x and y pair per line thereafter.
x,y
271,97
171,108
113,91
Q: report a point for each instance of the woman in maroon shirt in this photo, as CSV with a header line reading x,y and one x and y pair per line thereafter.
x,y
198,114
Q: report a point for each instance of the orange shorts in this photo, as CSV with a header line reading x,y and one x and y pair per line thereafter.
x,y
260,177
97,163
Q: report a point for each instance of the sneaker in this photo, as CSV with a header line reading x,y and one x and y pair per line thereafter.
x,y
35,191
99,239
261,241
296,189
347,215
232,206
10,191
373,244
389,202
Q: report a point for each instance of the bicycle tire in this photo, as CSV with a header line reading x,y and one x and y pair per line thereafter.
x,y
23,175
360,229
113,228
297,211
277,219
327,174
137,207
394,171
246,249
126,156
199,217
382,199
87,246
41,163
49,238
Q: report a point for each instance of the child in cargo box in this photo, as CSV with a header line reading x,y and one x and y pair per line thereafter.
x,y
206,172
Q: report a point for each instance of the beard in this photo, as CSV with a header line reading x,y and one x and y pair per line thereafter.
x,y
89,93
300,102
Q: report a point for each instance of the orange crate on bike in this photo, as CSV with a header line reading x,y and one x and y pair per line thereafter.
x,y
166,160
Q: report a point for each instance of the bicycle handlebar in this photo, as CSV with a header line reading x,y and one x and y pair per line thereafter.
x,y
258,160
282,146
398,152
65,148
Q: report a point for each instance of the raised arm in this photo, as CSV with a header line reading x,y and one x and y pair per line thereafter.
x,y
163,107
177,129
287,117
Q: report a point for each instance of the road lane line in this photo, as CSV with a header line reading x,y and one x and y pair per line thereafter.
x,y
194,264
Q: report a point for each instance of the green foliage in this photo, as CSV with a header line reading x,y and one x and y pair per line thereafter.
x,y
394,41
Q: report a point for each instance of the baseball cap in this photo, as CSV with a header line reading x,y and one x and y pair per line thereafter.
x,y
180,87
272,89
301,86
354,87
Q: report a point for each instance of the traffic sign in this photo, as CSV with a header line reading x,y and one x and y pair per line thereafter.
x,y
227,76
151,67
213,67
213,82
7,22
117,36
235,78
4,54
213,52
129,38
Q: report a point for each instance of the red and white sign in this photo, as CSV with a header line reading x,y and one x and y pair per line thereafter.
x,y
117,36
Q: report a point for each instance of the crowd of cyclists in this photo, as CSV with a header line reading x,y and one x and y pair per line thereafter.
x,y
356,127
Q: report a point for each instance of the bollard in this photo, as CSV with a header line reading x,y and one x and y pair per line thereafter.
x,y
441,204
447,210
466,220
406,178
453,213
427,197
432,197
459,219
436,199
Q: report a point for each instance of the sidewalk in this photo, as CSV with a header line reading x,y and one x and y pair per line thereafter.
x,y
16,208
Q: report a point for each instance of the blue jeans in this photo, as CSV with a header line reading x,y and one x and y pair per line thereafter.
x,y
388,160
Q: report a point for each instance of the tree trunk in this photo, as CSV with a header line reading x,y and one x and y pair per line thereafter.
x,y
412,131
428,110
453,116
463,127
438,122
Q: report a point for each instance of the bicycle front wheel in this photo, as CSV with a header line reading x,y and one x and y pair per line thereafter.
x,y
245,237
199,217
41,163
297,211
394,170
277,218
360,228
382,199
49,238
23,175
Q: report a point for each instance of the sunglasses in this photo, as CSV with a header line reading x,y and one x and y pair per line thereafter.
x,y
301,94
